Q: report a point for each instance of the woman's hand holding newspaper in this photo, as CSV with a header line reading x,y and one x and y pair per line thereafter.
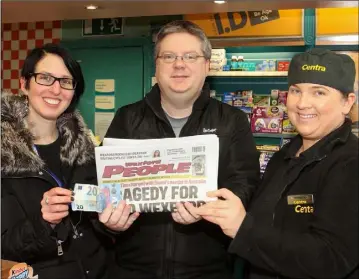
x,y
228,212
119,218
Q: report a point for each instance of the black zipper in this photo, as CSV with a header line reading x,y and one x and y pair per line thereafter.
x,y
290,182
169,230
168,266
60,250
170,234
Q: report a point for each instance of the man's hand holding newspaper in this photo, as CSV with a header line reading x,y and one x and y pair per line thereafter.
x,y
185,214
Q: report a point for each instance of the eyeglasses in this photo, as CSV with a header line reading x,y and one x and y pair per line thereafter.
x,y
187,58
48,80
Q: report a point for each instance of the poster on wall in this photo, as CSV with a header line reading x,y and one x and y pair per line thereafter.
x,y
105,86
102,122
104,105
105,102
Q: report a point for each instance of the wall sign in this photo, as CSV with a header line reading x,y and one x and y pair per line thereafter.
x,y
253,24
104,105
258,17
102,26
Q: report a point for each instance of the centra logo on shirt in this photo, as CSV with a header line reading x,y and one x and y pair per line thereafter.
x,y
303,209
302,203
317,68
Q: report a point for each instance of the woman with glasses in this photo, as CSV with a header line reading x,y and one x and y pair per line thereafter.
x,y
46,149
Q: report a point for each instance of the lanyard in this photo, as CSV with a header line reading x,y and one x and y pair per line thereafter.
x,y
60,184
58,181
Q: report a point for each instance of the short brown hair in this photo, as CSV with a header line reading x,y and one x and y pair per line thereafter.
x,y
183,26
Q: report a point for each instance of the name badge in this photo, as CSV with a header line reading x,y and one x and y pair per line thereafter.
x,y
300,199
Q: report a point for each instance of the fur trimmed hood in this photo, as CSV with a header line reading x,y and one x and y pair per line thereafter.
x,y
17,154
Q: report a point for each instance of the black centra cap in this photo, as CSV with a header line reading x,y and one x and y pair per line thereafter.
x,y
324,67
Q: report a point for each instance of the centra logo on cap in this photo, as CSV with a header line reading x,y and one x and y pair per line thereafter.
x,y
317,68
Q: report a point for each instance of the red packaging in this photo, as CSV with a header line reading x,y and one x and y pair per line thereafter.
x,y
283,66
267,119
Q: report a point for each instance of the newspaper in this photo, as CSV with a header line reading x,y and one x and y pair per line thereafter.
x,y
153,175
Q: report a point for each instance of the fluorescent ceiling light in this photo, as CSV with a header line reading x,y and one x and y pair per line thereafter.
x,y
92,7
219,1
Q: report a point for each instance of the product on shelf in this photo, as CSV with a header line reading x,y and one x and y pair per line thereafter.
x,y
218,60
278,97
226,68
243,98
283,66
227,98
266,65
234,63
261,65
218,53
274,95
239,98
240,61
212,93
216,65
282,98
267,119
249,65
261,100
266,152
287,126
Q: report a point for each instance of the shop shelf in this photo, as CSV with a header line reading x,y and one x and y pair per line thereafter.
x,y
269,135
247,74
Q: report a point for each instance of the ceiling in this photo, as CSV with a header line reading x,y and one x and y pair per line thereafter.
x,y
30,11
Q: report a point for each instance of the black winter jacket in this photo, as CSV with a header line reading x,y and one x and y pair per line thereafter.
x,y
25,235
157,247
313,235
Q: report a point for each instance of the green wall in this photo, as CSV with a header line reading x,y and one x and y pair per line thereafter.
x,y
125,58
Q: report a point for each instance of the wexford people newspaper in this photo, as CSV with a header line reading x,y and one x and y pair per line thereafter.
x,y
153,175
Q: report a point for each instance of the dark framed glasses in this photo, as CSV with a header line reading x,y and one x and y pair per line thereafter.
x,y
170,57
48,80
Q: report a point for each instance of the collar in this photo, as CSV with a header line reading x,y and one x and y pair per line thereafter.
x,y
323,146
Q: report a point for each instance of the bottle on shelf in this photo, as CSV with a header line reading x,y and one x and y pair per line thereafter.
x,y
239,61
234,63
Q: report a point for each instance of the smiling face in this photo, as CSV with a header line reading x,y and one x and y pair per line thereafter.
x,y
48,102
181,80
316,110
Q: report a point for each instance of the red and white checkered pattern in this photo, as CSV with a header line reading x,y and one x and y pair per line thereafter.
x,y
17,40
